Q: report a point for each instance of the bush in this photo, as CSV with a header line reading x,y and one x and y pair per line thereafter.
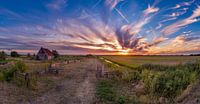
x,y
131,75
20,67
2,56
14,54
105,91
150,79
171,84
55,53
1,77
33,82
158,80
28,55
8,74
122,100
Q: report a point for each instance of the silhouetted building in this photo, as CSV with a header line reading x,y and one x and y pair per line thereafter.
x,y
44,54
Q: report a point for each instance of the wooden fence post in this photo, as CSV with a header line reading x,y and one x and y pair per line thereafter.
x,y
27,79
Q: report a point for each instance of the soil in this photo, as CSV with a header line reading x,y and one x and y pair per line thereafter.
x,y
194,96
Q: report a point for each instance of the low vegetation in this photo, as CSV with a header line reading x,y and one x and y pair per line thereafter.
x,y
10,75
17,67
14,54
136,61
151,83
3,56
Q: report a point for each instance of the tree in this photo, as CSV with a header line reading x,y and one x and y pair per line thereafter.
x,y
14,54
33,56
2,55
29,55
55,53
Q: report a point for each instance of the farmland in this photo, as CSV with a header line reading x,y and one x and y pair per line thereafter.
x,y
150,79
134,61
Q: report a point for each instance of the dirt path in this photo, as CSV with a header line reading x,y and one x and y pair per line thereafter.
x,y
77,88
194,96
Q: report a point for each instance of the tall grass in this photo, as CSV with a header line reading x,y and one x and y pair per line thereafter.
x,y
9,74
160,80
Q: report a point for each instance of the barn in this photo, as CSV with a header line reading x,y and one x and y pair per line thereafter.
x,y
44,54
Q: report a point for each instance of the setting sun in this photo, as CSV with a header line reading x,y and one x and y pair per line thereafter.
x,y
124,52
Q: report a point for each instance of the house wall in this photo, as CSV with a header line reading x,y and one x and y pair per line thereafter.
x,y
49,57
44,57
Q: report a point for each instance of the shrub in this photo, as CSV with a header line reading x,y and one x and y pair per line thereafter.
x,y
2,56
28,55
14,54
169,82
33,82
105,91
122,100
173,83
55,53
20,67
150,78
131,76
160,80
136,76
1,77
8,74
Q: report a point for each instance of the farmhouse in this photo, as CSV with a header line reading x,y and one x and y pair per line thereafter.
x,y
44,54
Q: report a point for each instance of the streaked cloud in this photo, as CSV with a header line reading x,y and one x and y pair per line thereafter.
x,y
57,4
103,26
180,24
112,3
150,10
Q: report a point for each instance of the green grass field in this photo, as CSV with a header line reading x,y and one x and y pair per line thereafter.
x,y
134,61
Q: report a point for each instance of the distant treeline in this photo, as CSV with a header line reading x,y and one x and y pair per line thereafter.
x,y
194,54
155,55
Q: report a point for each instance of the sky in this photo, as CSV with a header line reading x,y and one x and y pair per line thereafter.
x,y
136,27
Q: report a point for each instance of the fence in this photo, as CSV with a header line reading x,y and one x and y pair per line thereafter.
x,y
24,78
101,72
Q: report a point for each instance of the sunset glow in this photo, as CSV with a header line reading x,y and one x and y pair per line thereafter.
x,y
101,26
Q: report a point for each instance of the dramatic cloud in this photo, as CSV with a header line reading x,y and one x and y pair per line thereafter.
x,y
102,27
